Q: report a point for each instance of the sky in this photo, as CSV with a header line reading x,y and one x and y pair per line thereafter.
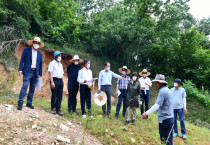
x,y
198,8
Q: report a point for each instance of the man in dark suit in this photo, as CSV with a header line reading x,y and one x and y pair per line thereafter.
x,y
31,69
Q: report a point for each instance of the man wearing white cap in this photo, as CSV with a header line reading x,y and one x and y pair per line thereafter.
x,y
31,68
73,84
164,108
145,83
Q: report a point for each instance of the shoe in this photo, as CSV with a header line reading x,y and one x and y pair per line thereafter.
x,y
175,134
60,113
70,112
76,112
133,122
20,106
126,122
84,116
123,115
53,111
184,136
116,116
29,105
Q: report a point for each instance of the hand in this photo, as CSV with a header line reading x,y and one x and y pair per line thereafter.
x,y
146,83
40,76
20,73
85,81
142,88
123,78
117,93
185,110
52,85
99,90
144,116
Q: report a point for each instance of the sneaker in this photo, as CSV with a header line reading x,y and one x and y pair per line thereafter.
x,y
53,111
84,116
116,116
29,105
126,122
175,134
184,136
133,122
60,113
20,106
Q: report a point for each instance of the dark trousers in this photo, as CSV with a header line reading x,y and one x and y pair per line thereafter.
x,y
85,97
108,90
121,97
164,129
145,101
28,78
72,100
180,112
57,94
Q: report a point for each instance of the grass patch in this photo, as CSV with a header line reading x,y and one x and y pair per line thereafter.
x,y
113,131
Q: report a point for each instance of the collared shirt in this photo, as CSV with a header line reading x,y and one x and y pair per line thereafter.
x,y
123,84
84,74
164,99
34,57
72,71
143,80
105,78
178,96
56,68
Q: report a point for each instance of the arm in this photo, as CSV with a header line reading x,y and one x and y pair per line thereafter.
x,y
22,60
40,67
79,77
117,89
116,76
185,102
149,83
51,80
138,89
154,108
99,81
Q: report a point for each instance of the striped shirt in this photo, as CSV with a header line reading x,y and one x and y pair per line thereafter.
x,y
123,84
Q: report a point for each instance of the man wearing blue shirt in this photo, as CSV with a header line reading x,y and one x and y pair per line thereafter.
x,y
31,69
104,84
179,106
164,108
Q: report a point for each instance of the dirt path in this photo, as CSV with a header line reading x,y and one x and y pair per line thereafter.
x,y
36,126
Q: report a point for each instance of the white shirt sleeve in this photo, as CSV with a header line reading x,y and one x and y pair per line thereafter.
x,y
79,78
50,67
116,75
154,108
149,82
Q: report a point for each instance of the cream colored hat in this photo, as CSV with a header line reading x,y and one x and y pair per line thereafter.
x,y
30,42
75,58
144,70
124,67
100,98
160,78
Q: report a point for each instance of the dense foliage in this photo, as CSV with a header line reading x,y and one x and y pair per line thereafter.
x,y
160,36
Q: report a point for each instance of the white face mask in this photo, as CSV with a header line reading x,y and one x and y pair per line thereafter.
x,y
134,78
59,58
144,75
108,68
123,72
76,63
88,65
175,84
36,46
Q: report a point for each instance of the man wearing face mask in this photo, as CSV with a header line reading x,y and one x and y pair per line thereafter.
x,y
179,106
56,72
122,87
145,83
104,84
84,76
31,69
73,85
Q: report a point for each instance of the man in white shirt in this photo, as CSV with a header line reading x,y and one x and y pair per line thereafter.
x,y
145,83
179,106
84,77
56,72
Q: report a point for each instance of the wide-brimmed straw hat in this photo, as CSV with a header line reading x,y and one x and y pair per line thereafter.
x,y
160,78
30,42
124,67
75,58
100,98
144,70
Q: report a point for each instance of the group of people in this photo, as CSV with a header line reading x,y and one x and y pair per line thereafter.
x,y
131,90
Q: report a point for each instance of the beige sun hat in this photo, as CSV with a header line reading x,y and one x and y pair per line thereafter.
x,y
30,42
75,58
100,98
160,78
144,70
124,67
